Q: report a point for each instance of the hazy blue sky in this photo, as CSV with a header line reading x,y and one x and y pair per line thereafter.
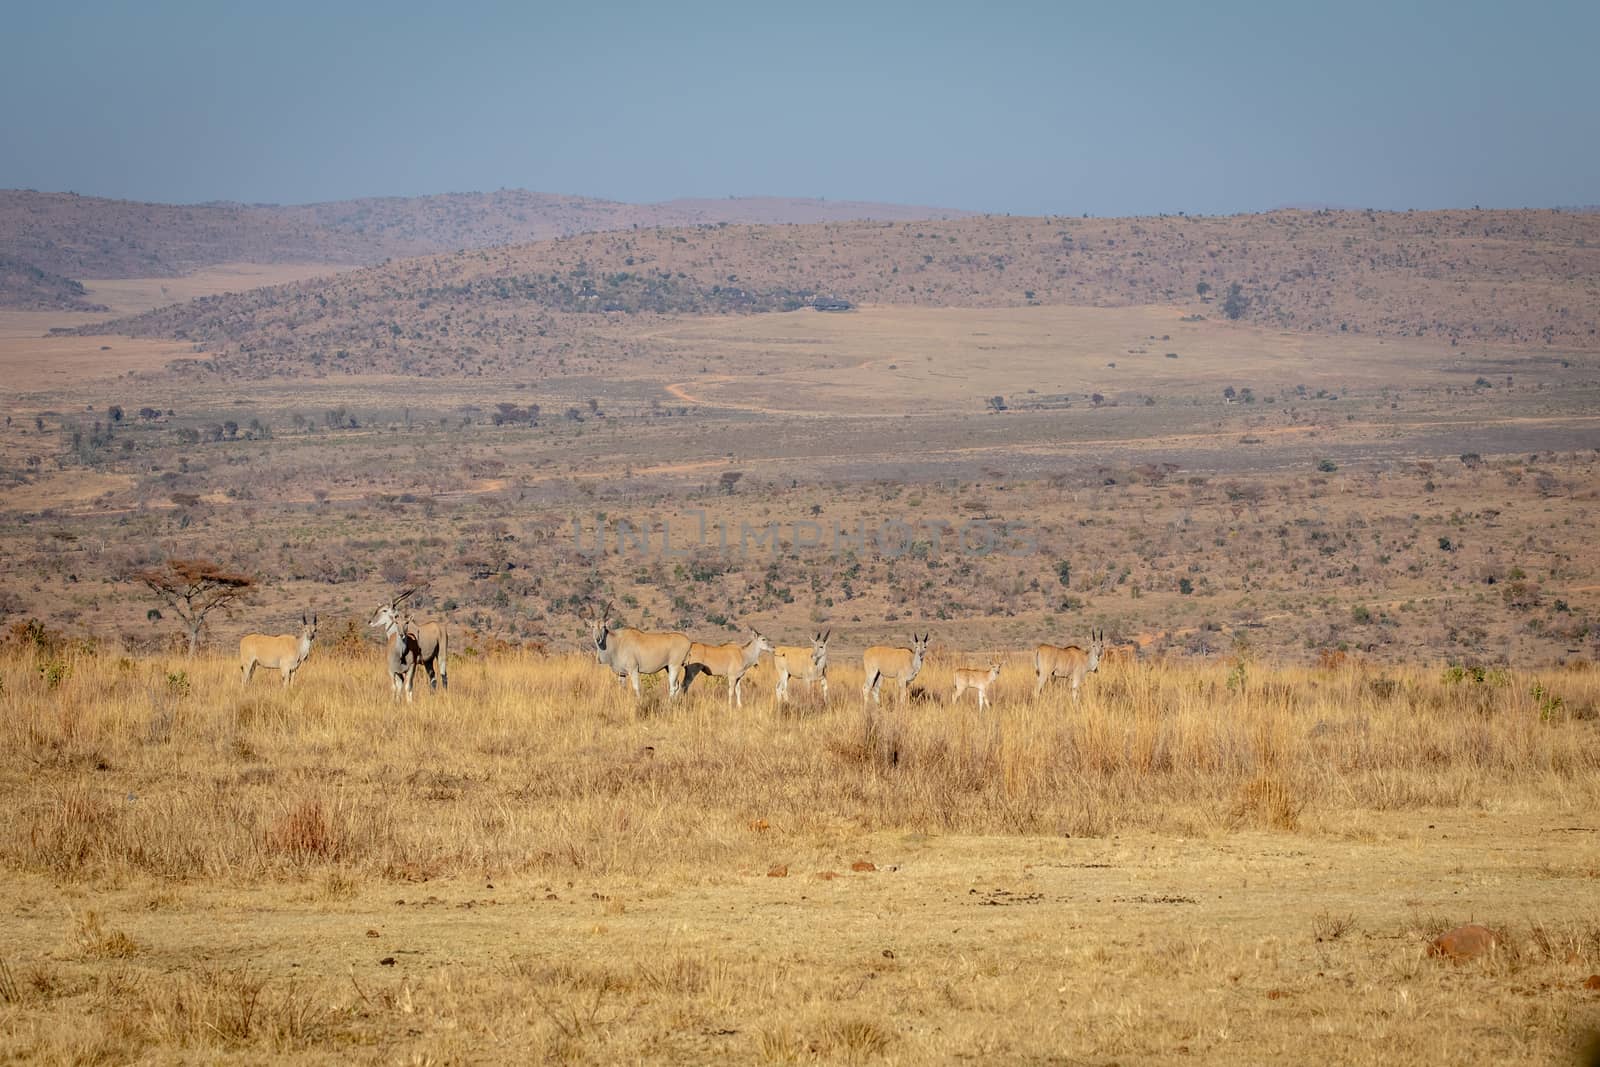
x,y
1106,108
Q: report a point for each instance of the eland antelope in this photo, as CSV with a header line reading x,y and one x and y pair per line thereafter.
x,y
630,653
977,679
807,664
731,661
900,664
404,650
283,652
1123,656
432,640
1053,661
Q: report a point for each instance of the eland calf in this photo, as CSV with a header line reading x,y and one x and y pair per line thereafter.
x,y
731,661
807,664
977,679
900,664
283,652
1124,657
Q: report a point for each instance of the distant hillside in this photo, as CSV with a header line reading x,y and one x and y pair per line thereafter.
x,y
1519,277
81,237
31,289
452,222
87,237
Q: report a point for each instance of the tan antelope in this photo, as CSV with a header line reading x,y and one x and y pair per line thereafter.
x,y
807,664
630,653
730,661
1120,656
1053,661
900,664
284,652
978,679
404,650
432,638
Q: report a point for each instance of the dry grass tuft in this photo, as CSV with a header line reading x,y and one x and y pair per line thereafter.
x,y
221,1008
91,940
850,1040
306,834
9,993
1329,927
1270,802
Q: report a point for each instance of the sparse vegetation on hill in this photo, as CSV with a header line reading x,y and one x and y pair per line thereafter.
x,y
88,237
25,287
451,221
1424,274
80,237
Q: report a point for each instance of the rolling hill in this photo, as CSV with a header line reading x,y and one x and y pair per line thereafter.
x,y
79,237
29,288
1502,277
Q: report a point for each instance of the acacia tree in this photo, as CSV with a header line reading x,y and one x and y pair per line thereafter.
x,y
194,588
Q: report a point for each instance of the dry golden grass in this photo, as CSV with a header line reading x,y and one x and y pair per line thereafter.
x,y
32,359
1234,865
923,361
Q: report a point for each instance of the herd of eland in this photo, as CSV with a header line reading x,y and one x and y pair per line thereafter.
x,y
631,653
411,643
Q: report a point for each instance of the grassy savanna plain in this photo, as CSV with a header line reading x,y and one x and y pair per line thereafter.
x,y
1362,589
1225,863
1376,494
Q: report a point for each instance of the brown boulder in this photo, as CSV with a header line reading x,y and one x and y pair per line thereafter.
x,y
1592,982
863,865
779,870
